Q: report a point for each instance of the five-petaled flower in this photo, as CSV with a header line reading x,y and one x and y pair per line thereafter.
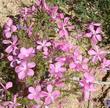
x,y
12,48
25,69
79,63
43,46
64,26
50,95
57,69
94,33
34,93
9,28
26,53
97,54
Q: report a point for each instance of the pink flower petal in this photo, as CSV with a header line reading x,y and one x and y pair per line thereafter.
x,y
8,34
49,88
99,37
21,75
91,52
31,90
9,85
7,41
31,65
38,88
30,96
48,100
13,28
56,94
30,72
9,22
9,49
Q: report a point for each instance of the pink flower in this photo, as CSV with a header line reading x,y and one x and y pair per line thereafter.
x,y
25,69
53,12
105,65
64,27
9,28
87,85
94,33
26,54
12,45
97,54
50,95
35,93
57,69
43,46
78,62
7,86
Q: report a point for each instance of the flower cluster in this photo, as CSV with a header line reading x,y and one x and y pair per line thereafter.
x,y
60,55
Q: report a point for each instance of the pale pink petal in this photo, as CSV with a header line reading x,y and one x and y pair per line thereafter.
x,y
15,39
94,40
21,75
31,65
48,100
66,20
48,44
61,33
9,22
8,34
43,94
30,96
98,30
38,88
94,59
86,95
9,85
39,42
31,89
72,65
9,49
30,72
99,37
39,47
13,28
7,41
10,58
49,88
91,27
31,50
91,52
56,94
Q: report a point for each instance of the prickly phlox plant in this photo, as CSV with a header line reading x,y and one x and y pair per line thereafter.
x,y
45,59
